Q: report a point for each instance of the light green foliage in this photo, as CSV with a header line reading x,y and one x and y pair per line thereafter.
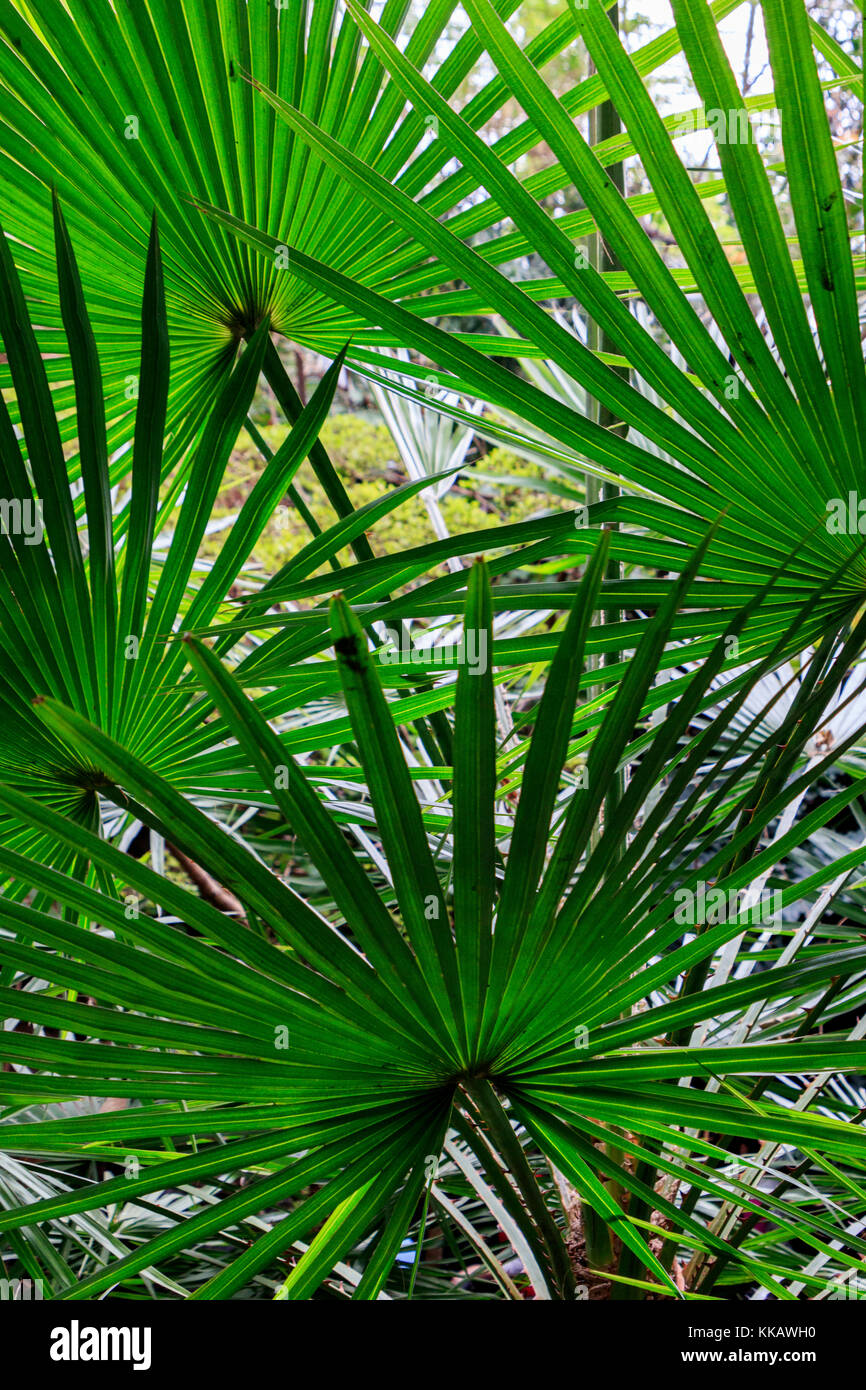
x,y
368,463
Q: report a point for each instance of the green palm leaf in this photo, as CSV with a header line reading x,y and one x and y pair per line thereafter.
x,y
380,1007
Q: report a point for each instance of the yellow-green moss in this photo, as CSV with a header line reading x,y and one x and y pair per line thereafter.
x,y
369,465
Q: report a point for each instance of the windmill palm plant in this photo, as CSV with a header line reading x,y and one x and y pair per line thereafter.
x,y
88,609
534,996
520,1005
96,586
344,194
750,403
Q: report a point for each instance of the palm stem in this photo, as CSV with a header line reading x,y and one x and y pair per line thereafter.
x,y
496,1120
